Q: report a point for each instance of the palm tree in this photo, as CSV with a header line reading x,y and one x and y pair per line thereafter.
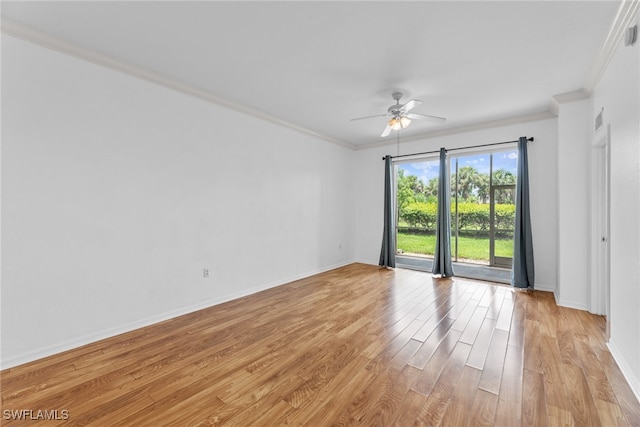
x,y
467,181
503,177
431,189
483,188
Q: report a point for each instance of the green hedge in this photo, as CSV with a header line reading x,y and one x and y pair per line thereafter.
x,y
471,216
418,214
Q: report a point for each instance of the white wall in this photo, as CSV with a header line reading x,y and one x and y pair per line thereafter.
x,y
117,193
619,93
573,205
542,175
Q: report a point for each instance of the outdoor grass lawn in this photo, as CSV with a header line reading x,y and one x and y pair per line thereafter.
x,y
469,247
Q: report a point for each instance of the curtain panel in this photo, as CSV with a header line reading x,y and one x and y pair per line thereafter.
x,y
388,251
442,258
523,272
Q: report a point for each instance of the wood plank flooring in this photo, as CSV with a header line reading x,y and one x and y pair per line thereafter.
x,y
358,345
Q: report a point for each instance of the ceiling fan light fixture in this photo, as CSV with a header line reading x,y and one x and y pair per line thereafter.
x,y
394,124
397,123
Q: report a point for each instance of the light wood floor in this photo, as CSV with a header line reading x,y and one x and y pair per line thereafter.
x,y
358,345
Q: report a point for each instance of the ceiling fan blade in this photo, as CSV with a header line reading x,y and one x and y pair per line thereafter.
x,y
410,105
425,117
368,117
386,131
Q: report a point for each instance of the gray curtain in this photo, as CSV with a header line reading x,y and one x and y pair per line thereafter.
x,y
388,252
442,258
523,274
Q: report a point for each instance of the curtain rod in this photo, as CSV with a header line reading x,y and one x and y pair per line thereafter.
x,y
454,149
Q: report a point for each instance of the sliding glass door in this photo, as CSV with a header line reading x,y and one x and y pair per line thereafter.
x,y
504,166
416,203
482,207
470,208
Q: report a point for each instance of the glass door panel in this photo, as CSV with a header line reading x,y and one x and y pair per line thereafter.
x,y
416,203
470,208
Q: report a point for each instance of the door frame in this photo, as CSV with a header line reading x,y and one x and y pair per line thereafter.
x,y
600,222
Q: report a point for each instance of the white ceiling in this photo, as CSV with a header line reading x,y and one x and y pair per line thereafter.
x,y
316,65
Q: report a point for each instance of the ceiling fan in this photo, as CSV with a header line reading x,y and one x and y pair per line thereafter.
x,y
400,115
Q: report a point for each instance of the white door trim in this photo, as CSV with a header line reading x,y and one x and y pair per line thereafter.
x,y
599,219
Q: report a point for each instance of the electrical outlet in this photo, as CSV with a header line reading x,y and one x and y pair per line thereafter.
x,y
205,273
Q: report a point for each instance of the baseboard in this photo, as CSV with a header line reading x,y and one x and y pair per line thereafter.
x,y
543,287
627,372
31,356
365,261
570,304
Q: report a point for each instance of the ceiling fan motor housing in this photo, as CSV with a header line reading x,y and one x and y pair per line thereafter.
x,y
395,109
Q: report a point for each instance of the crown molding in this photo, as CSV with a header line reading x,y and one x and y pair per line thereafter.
x,y
627,12
576,95
23,32
564,98
533,117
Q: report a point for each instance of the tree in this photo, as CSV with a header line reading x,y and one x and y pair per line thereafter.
x,y
504,177
467,181
410,190
431,189
483,188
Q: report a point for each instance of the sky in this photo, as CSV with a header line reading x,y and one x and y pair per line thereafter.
x,y
428,170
